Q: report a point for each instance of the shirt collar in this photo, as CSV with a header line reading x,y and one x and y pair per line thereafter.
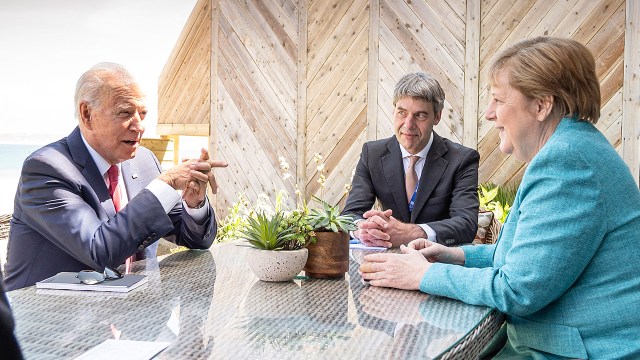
x,y
101,163
422,153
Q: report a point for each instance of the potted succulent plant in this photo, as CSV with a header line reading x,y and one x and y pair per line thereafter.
x,y
277,251
280,230
329,253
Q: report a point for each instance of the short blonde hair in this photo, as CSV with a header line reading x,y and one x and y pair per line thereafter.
x,y
562,68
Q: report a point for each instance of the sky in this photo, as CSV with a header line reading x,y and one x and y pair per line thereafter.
x,y
45,45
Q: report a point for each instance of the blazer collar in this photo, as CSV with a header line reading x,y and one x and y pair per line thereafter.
x,y
81,156
132,181
434,167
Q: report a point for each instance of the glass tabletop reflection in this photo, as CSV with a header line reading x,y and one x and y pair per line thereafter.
x,y
209,305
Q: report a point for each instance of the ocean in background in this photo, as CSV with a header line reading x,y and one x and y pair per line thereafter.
x,y
11,158
13,155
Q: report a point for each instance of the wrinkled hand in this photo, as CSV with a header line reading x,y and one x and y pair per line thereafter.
x,y
192,176
380,228
435,252
401,271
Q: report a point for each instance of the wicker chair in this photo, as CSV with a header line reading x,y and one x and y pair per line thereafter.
x,y
493,232
472,344
487,234
4,226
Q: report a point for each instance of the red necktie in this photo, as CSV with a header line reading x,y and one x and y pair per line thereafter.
x,y
114,192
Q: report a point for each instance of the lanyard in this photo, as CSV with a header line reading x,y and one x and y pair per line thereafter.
x,y
413,198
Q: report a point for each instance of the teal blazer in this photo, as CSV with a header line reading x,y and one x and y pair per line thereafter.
x,y
566,267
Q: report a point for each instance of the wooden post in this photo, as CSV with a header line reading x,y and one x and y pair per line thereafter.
x,y
471,77
631,92
213,112
372,70
301,141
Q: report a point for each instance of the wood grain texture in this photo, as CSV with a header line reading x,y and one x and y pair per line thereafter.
x,y
293,78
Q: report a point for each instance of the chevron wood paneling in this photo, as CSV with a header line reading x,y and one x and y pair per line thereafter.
x,y
293,78
414,36
185,82
336,73
257,92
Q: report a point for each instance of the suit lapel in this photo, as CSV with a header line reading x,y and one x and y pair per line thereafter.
x,y
394,174
434,166
90,172
131,178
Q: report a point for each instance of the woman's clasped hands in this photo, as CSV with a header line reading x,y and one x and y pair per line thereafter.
x,y
406,270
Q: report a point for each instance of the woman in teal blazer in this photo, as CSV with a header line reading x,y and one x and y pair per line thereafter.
x,y
565,269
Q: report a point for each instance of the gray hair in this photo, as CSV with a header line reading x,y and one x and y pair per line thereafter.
x,y
91,85
422,86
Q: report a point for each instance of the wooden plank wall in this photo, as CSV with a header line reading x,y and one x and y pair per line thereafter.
x,y
257,96
294,78
184,87
600,25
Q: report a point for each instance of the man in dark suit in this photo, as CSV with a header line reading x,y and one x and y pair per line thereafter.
x,y
96,198
425,184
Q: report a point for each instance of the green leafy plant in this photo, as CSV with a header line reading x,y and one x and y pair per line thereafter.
x,y
231,226
497,199
270,233
328,218
298,218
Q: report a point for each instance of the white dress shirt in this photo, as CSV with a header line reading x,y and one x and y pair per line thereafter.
x,y
419,166
167,195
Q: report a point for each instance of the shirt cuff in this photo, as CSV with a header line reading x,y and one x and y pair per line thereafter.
x,y
353,232
431,234
167,195
198,214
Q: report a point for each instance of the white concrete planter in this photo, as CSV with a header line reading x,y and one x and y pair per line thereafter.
x,y
281,265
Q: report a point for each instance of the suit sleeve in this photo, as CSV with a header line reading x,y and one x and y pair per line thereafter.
x,y
68,213
462,224
558,199
362,196
187,231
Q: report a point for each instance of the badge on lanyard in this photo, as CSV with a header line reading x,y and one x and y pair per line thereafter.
x,y
413,198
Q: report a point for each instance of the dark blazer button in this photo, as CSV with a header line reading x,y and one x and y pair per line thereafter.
x,y
153,236
149,239
141,247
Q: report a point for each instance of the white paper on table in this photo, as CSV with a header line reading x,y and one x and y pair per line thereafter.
x,y
174,320
124,349
365,247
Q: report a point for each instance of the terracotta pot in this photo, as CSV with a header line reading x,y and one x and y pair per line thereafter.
x,y
328,256
281,265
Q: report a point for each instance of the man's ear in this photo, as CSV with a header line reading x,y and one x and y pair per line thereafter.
x,y
437,118
85,115
544,107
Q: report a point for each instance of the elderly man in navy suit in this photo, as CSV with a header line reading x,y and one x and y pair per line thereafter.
x,y
426,184
96,198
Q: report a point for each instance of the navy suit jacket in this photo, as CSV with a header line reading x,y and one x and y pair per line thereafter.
x,y
447,198
64,218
